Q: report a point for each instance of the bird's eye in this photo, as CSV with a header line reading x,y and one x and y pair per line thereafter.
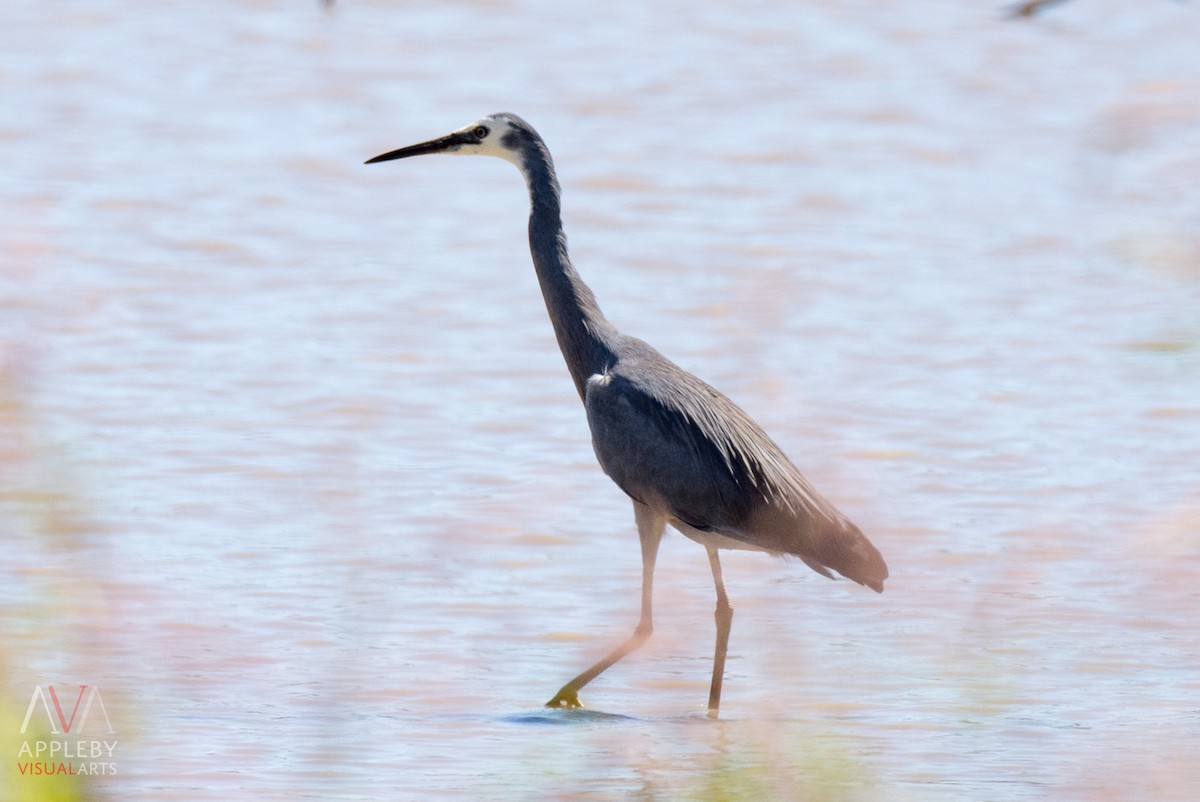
x,y
480,132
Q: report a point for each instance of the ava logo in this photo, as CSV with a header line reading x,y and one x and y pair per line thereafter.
x,y
73,747
60,723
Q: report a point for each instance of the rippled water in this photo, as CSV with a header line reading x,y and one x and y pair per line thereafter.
x,y
293,473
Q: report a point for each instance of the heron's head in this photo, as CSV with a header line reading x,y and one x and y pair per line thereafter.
x,y
503,135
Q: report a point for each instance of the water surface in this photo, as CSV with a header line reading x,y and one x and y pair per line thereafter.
x,y
292,470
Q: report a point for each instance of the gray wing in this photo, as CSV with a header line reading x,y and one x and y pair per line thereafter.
x,y
663,434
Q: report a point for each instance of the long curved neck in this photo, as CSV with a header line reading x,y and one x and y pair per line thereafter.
x,y
586,338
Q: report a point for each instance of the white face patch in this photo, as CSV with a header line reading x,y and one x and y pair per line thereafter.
x,y
492,144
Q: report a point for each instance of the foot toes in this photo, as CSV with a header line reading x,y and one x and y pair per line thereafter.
x,y
565,698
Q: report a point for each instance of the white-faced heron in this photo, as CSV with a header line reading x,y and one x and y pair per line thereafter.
x,y
685,454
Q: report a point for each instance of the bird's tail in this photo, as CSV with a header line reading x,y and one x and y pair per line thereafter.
x,y
825,540
848,552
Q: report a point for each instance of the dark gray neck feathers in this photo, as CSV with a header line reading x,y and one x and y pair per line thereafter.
x,y
586,338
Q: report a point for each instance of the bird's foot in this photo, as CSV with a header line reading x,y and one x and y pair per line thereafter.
x,y
567,697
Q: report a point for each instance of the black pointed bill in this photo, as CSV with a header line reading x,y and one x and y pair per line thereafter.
x,y
445,144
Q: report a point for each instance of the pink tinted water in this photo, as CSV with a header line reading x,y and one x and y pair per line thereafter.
x,y
293,471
